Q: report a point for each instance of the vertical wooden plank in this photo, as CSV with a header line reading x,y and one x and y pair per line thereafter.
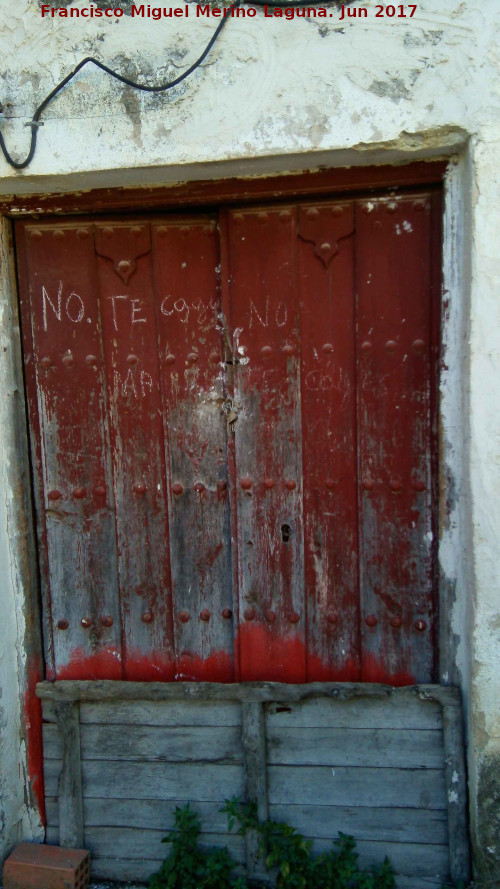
x,y
65,384
263,342
130,345
456,793
395,351
70,781
255,763
192,378
328,375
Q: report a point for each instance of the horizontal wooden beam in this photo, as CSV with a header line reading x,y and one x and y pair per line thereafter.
x,y
245,692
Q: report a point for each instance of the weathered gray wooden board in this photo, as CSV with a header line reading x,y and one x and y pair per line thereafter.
x,y
324,786
151,743
407,858
130,844
140,813
153,780
169,713
405,712
380,748
396,825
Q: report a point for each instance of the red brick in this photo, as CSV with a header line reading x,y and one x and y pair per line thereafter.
x,y
33,866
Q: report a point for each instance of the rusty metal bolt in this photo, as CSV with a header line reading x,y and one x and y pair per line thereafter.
x,y
107,620
268,483
396,621
418,485
91,360
100,490
246,483
205,615
86,622
79,493
290,485
288,349
420,625
337,210
270,616
227,614
293,617
68,360
192,358
170,359
82,233
395,485
36,234
177,488
418,346
330,484
54,495
147,617
249,613
285,216
312,213
371,621
222,486
57,233
328,348
366,346
184,617
368,484
132,359
238,218
214,357
266,350
46,362
262,217
391,345
62,624
199,487
332,618
140,488
419,205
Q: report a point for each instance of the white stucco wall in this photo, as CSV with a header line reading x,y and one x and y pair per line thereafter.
x,y
278,95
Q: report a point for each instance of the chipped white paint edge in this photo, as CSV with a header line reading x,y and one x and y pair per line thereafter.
x,y
19,818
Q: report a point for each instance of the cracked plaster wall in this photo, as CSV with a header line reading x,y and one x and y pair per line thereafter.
x,y
283,95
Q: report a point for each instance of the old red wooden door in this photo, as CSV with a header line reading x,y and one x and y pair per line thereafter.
x,y
232,420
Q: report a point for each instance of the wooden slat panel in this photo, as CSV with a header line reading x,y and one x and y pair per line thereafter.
x,y
121,780
138,844
70,783
144,814
380,748
132,370
128,870
188,309
151,743
395,350
263,316
410,859
402,713
328,404
405,788
75,508
171,713
391,825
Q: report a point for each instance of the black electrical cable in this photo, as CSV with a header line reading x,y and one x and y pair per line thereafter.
x,y
35,122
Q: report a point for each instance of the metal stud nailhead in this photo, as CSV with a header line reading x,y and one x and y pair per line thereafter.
x,y
147,617
62,624
222,486
396,622
329,484
140,488
177,488
312,213
285,215
170,359
337,210
249,613
107,620
215,357
392,207
68,360
395,485
366,346
391,345
227,614
184,617
266,350
46,361
371,620
293,617
79,493
205,615
36,234
332,618
82,233
58,234
418,486
270,616
199,487
420,625
91,359
238,218
288,349
54,495
132,359
86,622
419,205
418,345
328,348
192,358
262,217
290,485
100,490
368,484
246,483
268,483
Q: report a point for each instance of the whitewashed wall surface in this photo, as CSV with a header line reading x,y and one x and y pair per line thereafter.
x,y
277,95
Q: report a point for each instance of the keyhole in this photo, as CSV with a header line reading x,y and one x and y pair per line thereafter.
x,y
285,533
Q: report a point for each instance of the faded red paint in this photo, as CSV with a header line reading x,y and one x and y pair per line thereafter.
x,y
105,664
375,670
33,726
